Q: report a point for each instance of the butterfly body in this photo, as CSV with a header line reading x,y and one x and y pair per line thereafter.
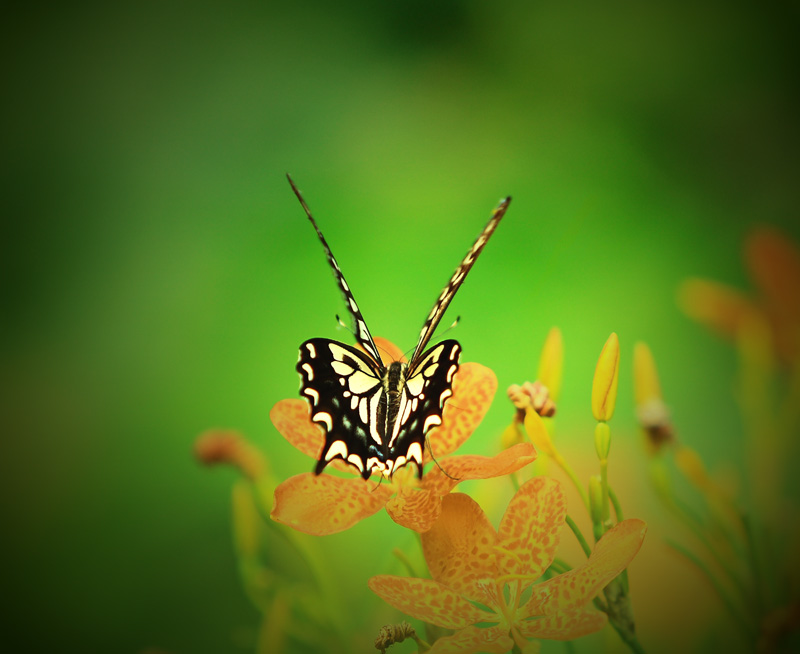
x,y
376,416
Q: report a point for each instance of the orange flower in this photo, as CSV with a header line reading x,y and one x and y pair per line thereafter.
x,y
474,566
774,265
326,504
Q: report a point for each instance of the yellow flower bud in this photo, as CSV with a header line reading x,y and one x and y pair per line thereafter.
x,y
602,440
606,376
537,432
645,376
651,410
551,362
692,466
659,476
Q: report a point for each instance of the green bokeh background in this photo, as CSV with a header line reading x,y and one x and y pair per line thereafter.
x,y
159,273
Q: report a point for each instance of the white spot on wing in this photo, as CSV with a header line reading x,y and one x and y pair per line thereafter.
x,y
341,368
325,417
415,453
431,421
312,351
356,461
363,410
313,394
309,371
360,382
338,448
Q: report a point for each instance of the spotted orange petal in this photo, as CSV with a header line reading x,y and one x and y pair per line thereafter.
x,y
292,419
564,625
459,548
572,590
472,640
416,509
529,531
428,600
471,466
324,504
474,387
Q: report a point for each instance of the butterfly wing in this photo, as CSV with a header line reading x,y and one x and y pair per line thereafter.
x,y
449,291
421,404
360,327
344,389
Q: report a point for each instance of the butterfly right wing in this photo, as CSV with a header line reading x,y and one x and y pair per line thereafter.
x,y
361,332
346,394
449,291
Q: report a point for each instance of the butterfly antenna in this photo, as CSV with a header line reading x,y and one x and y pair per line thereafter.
x,y
342,323
444,472
438,336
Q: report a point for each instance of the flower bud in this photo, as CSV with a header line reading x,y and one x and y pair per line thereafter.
x,y
602,440
692,466
537,432
551,363
606,376
229,447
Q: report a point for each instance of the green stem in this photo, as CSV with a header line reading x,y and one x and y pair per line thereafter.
x,y
604,484
403,558
739,616
562,463
615,503
576,530
694,524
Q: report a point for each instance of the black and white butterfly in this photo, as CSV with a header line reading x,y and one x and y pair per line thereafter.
x,y
376,417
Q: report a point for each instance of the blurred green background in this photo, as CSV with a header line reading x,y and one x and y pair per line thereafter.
x,y
159,274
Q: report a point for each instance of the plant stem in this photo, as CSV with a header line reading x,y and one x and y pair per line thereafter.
x,y
576,530
739,617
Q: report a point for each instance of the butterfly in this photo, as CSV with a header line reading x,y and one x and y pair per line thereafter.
x,y
376,417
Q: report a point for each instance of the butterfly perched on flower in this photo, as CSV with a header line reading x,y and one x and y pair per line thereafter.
x,y
376,417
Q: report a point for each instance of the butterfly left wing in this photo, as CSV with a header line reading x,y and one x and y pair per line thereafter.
x,y
421,404
359,325
343,387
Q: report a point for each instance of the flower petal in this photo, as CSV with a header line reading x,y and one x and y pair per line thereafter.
x,y
529,531
459,548
564,625
471,640
572,590
474,387
428,600
324,504
472,466
715,305
292,419
416,509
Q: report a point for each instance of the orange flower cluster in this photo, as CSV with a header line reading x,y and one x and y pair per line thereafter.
x,y
326,504
472,563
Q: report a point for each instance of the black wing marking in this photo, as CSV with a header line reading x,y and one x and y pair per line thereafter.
x,y
345,392
421,404
361,332
449,291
